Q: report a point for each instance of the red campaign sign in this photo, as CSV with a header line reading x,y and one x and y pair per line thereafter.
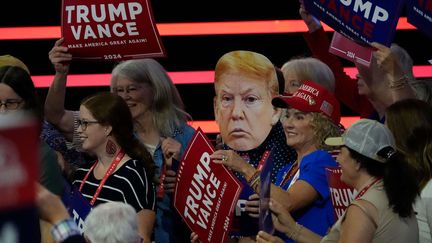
x,y
18,160
341,193
350,50
110,29
206,193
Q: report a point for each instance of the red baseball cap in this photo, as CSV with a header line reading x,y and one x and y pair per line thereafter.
x,y
311,97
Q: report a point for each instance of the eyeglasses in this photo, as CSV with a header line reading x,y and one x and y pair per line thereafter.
x,y
84,124
11,104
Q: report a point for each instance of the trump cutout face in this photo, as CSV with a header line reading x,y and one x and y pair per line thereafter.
x,y
243,110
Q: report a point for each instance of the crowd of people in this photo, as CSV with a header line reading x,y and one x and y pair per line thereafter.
x,y
117,152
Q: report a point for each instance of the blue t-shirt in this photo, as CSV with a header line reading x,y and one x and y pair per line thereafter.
x,y
317,217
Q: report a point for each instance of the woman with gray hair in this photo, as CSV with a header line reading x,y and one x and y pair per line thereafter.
x,y
160,122
112,222
297,70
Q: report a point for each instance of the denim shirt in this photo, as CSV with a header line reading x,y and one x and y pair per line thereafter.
x,y
169,226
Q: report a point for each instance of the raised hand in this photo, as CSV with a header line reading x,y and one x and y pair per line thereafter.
x,y
60,57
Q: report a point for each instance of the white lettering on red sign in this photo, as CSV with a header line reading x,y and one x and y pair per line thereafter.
x,y
199,202
115,19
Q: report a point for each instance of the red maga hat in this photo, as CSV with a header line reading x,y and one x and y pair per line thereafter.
x,y
311,97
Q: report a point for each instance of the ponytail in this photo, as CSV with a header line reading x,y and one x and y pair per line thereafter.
x,y
400,183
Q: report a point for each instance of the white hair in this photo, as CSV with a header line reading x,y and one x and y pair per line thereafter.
x,y
313,69
112,222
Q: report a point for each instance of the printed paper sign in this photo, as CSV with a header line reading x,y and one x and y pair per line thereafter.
x,y
206,193
364,21
110,30
350,50
19,160
341,193
420,15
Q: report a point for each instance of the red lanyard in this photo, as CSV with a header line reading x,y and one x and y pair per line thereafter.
x,y
110,170
366,188
289,174
263,159
161,190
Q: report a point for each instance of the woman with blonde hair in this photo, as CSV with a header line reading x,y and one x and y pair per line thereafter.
x,y
309,116
382,210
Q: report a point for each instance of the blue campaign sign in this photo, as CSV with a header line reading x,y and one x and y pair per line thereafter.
x,y
363,21
265,216
77,205
420,15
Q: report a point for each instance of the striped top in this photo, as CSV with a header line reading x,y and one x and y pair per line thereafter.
x,y
129,184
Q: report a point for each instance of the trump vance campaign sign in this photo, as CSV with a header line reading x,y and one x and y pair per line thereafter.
x,y
110,30
364,21
420,15
206,193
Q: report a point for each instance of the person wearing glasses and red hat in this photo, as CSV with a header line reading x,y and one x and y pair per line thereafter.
x,y
309,116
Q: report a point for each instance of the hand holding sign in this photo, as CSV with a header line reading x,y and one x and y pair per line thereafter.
x,y
387,61
283,222
201,188
171,148
252,206
264,237
169,181
233,161
282,219
60,57
311,22
51,208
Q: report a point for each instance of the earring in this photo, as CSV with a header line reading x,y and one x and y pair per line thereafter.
x,y
110,148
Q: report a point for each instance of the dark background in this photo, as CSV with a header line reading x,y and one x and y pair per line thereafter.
x,y
184,53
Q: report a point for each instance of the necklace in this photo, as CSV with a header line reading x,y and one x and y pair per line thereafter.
x,y
366,188
290,173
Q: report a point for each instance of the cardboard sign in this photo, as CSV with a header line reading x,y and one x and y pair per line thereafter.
x,y
364,21
206,193
19,159
341,193
419,13
265,216
110,30
350,50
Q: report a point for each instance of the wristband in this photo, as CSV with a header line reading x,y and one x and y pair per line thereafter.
x,y
64,229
